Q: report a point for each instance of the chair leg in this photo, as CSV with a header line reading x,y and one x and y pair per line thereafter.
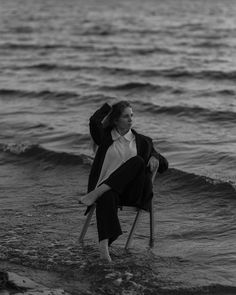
x,y
151,240
134,226
152,222
86,224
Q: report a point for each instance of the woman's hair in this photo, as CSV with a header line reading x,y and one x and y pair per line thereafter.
x,y
115,113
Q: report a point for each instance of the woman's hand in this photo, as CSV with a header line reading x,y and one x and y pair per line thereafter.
x,y
153,163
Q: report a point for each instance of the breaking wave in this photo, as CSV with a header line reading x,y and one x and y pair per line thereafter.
x,y
174,176
37,152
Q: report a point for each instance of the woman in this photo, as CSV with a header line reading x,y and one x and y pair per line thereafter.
x,y
121,171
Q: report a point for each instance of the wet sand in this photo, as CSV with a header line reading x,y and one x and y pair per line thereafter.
x,y
13,283
126,275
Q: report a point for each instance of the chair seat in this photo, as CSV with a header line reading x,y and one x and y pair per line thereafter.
x,y
128,208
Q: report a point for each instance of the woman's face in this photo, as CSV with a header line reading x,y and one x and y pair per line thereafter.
x,y
125,121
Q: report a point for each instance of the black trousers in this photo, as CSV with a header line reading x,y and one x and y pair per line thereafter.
x,y
127,188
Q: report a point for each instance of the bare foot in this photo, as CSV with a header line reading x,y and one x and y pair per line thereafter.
x,y
104,251
91,197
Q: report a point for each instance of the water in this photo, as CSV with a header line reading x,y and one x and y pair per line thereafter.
x,y
175,61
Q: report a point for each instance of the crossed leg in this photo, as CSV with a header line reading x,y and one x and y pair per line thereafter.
x,y
106,196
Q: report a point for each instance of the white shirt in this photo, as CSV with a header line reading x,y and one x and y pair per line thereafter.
x,y
122,149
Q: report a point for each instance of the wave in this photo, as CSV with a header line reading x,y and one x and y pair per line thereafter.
x,y
108,30
173,176
210,44
28,46
34,46
49,67
190,112
22,29
182,73
147,51
178,180
53,66
172,73
194,112
191,26
88,47
46,94
57,95
222,92
85,47
39,153
139,86
72,67
204,74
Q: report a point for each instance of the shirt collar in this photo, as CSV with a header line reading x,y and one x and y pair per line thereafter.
x,y
116,135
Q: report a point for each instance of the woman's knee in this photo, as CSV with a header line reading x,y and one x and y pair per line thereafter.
x,y
137,161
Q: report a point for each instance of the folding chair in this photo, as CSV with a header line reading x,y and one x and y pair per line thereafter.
x,y
135,223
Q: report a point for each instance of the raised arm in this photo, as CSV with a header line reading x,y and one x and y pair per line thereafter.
x,y
95,123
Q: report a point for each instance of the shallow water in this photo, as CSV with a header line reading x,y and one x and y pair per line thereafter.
x,y
175,62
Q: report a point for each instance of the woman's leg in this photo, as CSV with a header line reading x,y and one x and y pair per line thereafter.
x,y
106,214
104,250
108,224
118,180
107,200
129,174
139,192
129,177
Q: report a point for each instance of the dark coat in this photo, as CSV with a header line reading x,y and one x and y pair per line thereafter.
x,y
102,138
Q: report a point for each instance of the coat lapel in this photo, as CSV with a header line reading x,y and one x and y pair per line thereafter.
x,y
138,142
143,146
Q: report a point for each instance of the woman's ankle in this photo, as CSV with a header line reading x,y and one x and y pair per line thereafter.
x,y
104,250
102,189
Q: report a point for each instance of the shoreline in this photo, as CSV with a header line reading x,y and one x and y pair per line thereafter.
x,y
24,280
126,275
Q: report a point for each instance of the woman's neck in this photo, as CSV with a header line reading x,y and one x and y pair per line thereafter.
x,y
122,131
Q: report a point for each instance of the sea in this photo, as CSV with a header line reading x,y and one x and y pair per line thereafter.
x,y
175,62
